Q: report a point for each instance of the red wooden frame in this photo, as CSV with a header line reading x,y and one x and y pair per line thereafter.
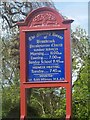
x,y
34,23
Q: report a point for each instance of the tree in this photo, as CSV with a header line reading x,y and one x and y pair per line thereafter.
x,y
12,12
45,101
81,94
50,102
80,66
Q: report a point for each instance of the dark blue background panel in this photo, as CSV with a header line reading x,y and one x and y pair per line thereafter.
x,y
45,56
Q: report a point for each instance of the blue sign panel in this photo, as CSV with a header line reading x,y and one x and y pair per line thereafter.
x,y
45,56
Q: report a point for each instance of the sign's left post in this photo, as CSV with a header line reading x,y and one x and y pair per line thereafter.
x,y
23,93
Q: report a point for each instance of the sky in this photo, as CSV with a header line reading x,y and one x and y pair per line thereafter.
x,y
78,11
68,0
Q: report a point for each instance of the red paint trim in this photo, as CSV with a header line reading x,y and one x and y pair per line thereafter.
x,y
45,84
23,103
38,11
43,29
68,73
22,57
44,9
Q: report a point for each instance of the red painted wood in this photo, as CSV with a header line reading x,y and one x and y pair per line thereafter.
x,y
40,11
68,73
22,57
68,117
22,118
45,85
25,29
23,104
43,19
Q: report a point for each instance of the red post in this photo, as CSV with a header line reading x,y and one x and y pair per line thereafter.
x,y
23,103
68,75
23,95
68,102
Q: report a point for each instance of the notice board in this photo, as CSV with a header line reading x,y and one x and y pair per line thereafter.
x,y
45,56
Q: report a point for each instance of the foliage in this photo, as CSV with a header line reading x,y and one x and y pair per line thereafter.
x,y
50,102
14,11
81,95
10,62
10,98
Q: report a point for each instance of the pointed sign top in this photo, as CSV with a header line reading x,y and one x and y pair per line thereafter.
x,y
44,16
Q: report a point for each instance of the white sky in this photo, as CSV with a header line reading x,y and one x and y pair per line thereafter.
x,y
70,0
78,11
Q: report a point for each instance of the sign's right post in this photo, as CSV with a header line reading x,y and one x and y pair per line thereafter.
x,y
68,69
